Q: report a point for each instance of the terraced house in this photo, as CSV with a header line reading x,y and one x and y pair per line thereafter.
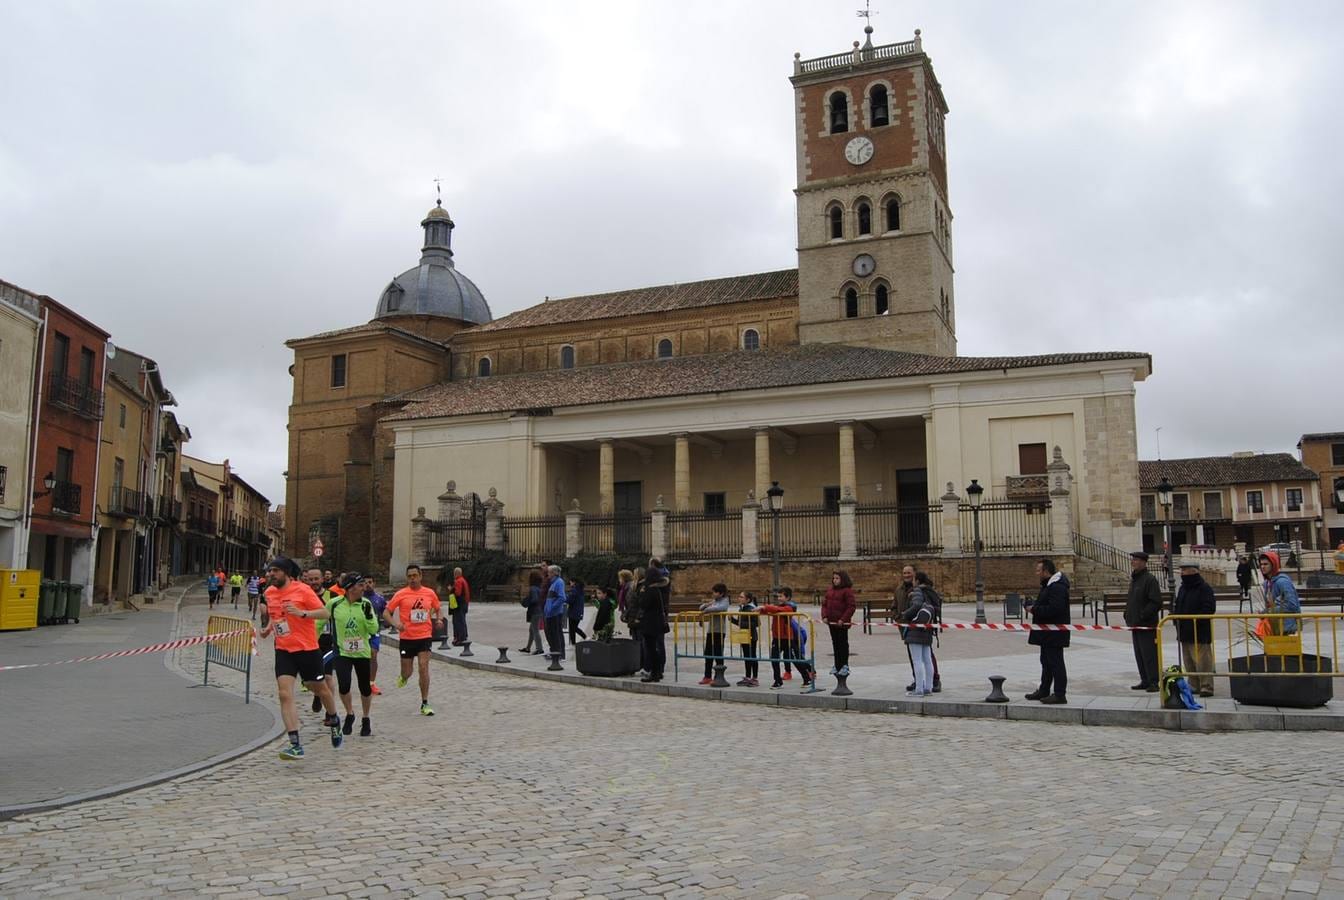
x,y
661,418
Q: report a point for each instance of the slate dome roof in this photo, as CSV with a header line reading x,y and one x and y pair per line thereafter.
x,y
435,287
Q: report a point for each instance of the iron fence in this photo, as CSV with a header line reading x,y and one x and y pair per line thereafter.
x,y
451,542
617,533
804,532
884,529
699,535
542,537
1008,525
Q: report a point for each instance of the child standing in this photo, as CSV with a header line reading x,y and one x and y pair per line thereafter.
x,y
716,628
605,620
784,644
837,611
919,640
575,599
746,629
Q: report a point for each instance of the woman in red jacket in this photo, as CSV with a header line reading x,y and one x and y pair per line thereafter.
x,y
837,611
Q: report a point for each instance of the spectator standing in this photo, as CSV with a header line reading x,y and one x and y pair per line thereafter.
x,y
837,611
748,624
1051,608
553,613
533,601
1143,608
716,628
462,591
1244,575
574,599
785,642
651,593
1195,597
903,591
624,580
918,615
1280,594
605,620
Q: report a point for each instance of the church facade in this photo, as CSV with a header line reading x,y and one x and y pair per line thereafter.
x,y
839,379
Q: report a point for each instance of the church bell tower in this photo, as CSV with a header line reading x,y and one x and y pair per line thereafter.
x,y
874,225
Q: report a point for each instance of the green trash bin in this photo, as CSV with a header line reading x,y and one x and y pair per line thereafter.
x,y
74,593
46,602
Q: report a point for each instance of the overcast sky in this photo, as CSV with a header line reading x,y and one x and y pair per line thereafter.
x,y
206,180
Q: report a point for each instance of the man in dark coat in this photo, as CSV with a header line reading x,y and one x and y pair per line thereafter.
x,y
1051,608
1245,572
1195,597
1143,608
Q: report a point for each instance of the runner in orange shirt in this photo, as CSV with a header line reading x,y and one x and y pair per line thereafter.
x,y
419,610
292,607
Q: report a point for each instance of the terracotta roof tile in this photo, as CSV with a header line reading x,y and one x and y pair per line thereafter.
x,y
738,370
1209,471
691,295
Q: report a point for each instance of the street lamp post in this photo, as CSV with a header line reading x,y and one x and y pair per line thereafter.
x,y
776,495
975,492
1164,499
1297,550
1318,539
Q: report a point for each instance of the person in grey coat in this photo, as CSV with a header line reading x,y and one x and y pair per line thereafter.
x,y
716,628
1143,608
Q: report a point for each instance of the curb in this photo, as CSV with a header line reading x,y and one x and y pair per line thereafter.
x,y
277,729
1202,721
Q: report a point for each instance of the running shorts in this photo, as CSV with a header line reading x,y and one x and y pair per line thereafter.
x,y
303,664
375,642
410,649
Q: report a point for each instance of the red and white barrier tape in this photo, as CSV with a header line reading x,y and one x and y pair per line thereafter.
x,y
991,626
152,648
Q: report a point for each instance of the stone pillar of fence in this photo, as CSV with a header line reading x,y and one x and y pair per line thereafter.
x,y
420,537
494,521
450,504
573,533
849,526
951,520
658,529
751,541
1061,505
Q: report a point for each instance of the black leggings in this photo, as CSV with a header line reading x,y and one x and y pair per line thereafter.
x,y
575,629
360,665
840,644
752,665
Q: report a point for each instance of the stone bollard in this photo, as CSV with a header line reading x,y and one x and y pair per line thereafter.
x,y
503,655
842,686
443,644
996,694
466,649
555,665
720,667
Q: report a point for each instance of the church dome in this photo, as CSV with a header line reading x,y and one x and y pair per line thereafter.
x,y
435,287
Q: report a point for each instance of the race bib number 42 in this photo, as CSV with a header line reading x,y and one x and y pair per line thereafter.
x,y
419,615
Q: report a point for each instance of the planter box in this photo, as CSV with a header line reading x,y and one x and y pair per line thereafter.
x,y
615,658
1270,690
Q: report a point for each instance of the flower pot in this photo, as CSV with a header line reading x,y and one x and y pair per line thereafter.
x,y
608,658
1303,692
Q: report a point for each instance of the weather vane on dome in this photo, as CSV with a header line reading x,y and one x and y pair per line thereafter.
x,y
438,195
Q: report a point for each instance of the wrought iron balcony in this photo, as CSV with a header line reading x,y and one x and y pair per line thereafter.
x,y
65,498
81,399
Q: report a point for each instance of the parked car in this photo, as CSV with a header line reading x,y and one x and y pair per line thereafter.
x,y
1283,548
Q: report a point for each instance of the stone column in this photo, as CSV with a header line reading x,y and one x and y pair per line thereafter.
x,y
573,536
419,537
847,481
606,478
849,531
658,529
450,504
951,523
751,541
494,522
762,462
1061,505
682,497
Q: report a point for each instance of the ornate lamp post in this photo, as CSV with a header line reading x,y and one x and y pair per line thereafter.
x,y
776,495
1164,499
1297,550
976,493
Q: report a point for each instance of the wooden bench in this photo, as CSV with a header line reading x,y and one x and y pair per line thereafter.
x,y
501,593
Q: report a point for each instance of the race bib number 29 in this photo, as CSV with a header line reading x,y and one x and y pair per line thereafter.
x,y
419,615
354,645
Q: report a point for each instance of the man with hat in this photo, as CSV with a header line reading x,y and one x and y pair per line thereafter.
x,y
1195,597
1143,608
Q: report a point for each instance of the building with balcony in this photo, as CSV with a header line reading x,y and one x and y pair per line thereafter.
x,y
125,509
240,542
1323,453
169,513
20,341
1219,501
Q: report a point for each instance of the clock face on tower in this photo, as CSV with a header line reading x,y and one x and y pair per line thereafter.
x,y
864,265
859,150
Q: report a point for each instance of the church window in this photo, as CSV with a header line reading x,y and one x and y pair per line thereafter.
x,y
665,349
837,218
865,216
893,214
839,112
338,370
851,304
882,300
393,297
567,357
877,103
483,367
751,339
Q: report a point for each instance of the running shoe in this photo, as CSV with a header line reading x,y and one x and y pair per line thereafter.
x,y
336,738
365,728
373,689
293,751
424,708
349,725
331,720
777,685
401,681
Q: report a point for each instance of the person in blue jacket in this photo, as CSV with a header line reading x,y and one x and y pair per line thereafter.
x,y
1280,594
554,613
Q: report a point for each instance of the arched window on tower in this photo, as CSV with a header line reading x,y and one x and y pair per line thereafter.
x,y
882,300
865,217
751,339
851,304
665,349
837,217
566,357
877,104
839,112
893,212
483,367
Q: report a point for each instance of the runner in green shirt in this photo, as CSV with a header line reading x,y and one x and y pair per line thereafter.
x,y
235,585
354,622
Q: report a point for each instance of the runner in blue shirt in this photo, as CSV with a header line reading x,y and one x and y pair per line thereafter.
x,y
379,604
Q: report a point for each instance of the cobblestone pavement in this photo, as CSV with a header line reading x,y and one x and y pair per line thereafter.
x,y
520,788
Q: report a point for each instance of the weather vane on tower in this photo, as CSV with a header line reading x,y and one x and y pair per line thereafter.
x,y
438,195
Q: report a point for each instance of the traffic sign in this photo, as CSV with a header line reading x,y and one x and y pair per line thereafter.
x,y
317,547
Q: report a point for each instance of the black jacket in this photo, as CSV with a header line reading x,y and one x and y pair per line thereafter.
x,y
1244,570
1143,607
1194,597
1051,608
653,602
919,612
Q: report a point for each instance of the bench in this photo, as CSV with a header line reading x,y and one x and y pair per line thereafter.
x,y
501,593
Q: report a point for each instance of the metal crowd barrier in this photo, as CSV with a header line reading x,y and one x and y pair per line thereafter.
x,y
233,652
691,633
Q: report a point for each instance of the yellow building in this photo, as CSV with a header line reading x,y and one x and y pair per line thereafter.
x,y
123,473
20,328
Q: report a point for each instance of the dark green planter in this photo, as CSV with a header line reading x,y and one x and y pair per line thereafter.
x,y
1304,692
613,658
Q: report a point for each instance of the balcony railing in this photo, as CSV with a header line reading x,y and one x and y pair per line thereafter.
x,y
65,498
123,501
884,51
81,399
170,510
200,524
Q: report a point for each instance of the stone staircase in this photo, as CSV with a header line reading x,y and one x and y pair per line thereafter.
x,y
1098,567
